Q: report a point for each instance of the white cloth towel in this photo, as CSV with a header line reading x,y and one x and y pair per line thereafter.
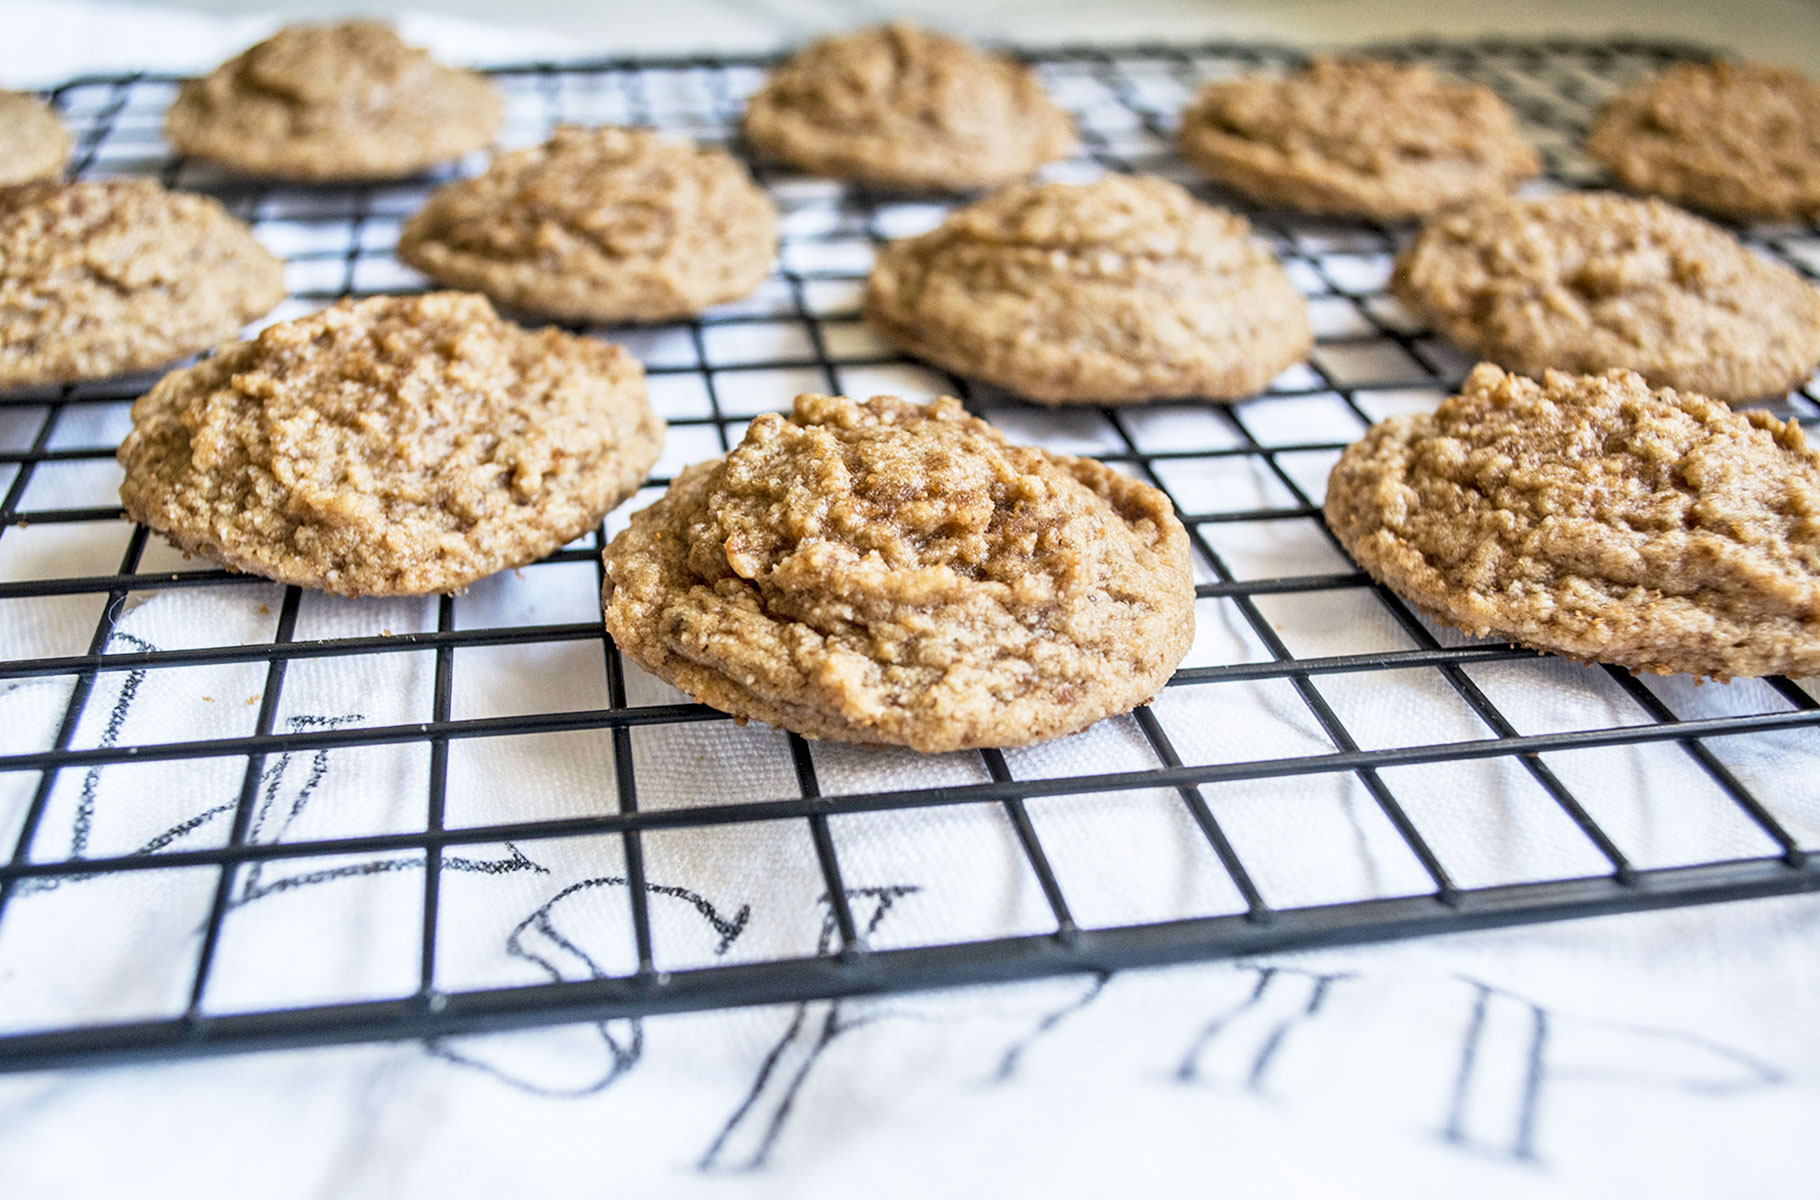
x,y
1671,1054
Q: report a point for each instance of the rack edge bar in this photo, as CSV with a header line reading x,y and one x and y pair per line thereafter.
x,y
999,960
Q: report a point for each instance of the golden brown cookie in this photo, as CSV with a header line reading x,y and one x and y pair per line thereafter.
x,y
1357,137
1590,516
33,142
322,102
1119,290
903,108
400,445
1735,139
600,225
892,573
1589,281
102,279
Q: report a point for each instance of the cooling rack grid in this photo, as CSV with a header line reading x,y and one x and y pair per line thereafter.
x,y
238,816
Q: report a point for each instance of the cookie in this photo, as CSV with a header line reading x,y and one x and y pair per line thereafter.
x,y
1589,516
33,142
1357,137
326,102
905,109
893,573
103,279
1589,281
600,225
1114,291
401,445
1738,140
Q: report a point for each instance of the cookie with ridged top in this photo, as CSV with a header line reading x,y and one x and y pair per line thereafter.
x,y
903,108
1589,281
1590,516
1109,292
347,101
602,225
896,573
1738,140
1357,137
114,277
400,445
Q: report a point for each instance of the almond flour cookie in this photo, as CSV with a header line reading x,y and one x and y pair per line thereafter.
x,y
892,573
1119,290
325,102
902,108
600,225
33,142
1735,139
1589,281
103,279
1590,516
400,445
1357,137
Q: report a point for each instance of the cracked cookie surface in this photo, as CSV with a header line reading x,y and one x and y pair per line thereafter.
x,y
1119,290
347,101
33,142
904,108
110,278
601,225
400,445
1357,137
1738,140
1590,516
896,573
1586,282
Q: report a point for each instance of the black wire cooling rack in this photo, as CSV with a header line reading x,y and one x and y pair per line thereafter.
x,y
83,916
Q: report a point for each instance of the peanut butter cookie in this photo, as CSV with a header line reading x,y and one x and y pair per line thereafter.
x,y
1119,290
33,142
1735,139
1589,281
1592,517
892,573
400,445
600,225
902,108
324,102
1357,137
102,279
